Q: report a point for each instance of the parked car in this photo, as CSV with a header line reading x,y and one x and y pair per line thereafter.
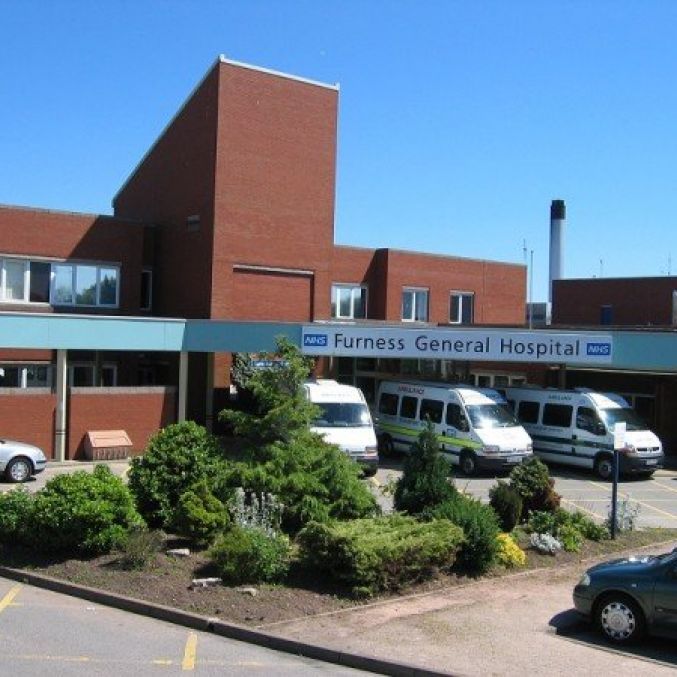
x,y
628,597
19,461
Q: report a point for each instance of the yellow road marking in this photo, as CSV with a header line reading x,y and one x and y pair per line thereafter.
x,y
662,486
188,662
580,507
642,503
9,597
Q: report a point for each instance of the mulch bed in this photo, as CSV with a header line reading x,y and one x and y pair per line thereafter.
x,y
167,580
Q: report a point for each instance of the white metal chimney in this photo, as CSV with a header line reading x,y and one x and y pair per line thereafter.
x,y
557,219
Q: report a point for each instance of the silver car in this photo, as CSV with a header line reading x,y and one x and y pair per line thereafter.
x,y
18,461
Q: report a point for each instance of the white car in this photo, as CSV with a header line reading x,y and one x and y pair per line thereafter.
x,y
19,461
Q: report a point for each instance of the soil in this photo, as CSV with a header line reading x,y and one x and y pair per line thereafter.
x,y
167,580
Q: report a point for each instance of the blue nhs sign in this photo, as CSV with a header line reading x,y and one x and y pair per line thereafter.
x,y
315,340
598,349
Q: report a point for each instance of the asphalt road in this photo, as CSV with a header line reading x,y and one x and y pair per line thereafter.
x,y
656,498
46,633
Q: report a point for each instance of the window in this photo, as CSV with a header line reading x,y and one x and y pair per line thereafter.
x,y
558,415
408,407
454,415
587,419
431,409
606,315
348,302
81,375
388,404
39,282
415,305
527,412
14,280
84,285
462,307
146,289
25,376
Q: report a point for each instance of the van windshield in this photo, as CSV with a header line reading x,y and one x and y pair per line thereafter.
x,y
342,415
491,416
623,415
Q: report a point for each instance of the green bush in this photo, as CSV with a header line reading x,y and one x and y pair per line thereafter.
x,y
570,537
200,515
140,548
533,483
15,515
381,553
86,513
480,529
571,529
425,478
507,503
251,555
175,459
588,527
314,481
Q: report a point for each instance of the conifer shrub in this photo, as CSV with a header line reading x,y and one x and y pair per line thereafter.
x,y
176,458
480,529
531,479
424,482
507,503
200,515
381,553
15,514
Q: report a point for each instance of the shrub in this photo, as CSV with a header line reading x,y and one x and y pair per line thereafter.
x,y
141,547
509,554
315,481
175,459
627,513
200,515
533,483
480,528
570,529
507,503
542,522
382,553
250,555
425,479
87,513
252,509
15,514
545,543
570,537
588,527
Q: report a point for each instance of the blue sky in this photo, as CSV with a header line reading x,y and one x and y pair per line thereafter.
x,y
459,121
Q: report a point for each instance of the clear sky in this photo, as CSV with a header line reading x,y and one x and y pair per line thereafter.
x,y
459,121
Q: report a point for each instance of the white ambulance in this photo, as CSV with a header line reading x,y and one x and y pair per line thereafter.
x,y
475,426
576,427
344,420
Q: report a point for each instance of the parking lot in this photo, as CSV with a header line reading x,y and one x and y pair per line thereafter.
x,y
656,498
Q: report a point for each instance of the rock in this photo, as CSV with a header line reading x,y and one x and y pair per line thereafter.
x,y
248,591
204,582
179,552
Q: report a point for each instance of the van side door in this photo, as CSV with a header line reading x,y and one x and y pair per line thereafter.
x,y
589,432
457,427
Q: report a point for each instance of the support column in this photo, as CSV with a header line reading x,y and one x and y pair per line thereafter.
x,y
209,398
562,377
98,369
183,386
61,406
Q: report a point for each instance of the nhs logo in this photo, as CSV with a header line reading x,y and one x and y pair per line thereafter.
x,y
315,340
598,349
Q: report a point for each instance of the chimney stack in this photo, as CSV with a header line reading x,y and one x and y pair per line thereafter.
x,y
557,219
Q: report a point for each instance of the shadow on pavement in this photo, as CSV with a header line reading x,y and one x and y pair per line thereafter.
x,y
571,626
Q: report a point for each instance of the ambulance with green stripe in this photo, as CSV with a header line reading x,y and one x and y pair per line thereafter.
x,y
576,428
474,426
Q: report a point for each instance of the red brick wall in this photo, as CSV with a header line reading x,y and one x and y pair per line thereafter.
x,y
270,296
138,411
635,301
64,235
27,415
174,181
275,182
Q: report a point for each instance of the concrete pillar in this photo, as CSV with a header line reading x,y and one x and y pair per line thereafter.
x,y
98,370
562,377
61,406
183,386
209,397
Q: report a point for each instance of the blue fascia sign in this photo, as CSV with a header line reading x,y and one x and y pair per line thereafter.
x,y
492,345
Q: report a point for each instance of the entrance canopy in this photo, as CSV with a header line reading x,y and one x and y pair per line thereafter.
x,y
636,350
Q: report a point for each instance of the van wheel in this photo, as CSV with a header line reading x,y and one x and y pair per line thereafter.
x,y
385,446
468,463
604,467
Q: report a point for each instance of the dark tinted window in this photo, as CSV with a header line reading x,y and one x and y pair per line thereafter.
x,y
527,412
558,415
408,407
388,404
453,415
432,409
40,282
